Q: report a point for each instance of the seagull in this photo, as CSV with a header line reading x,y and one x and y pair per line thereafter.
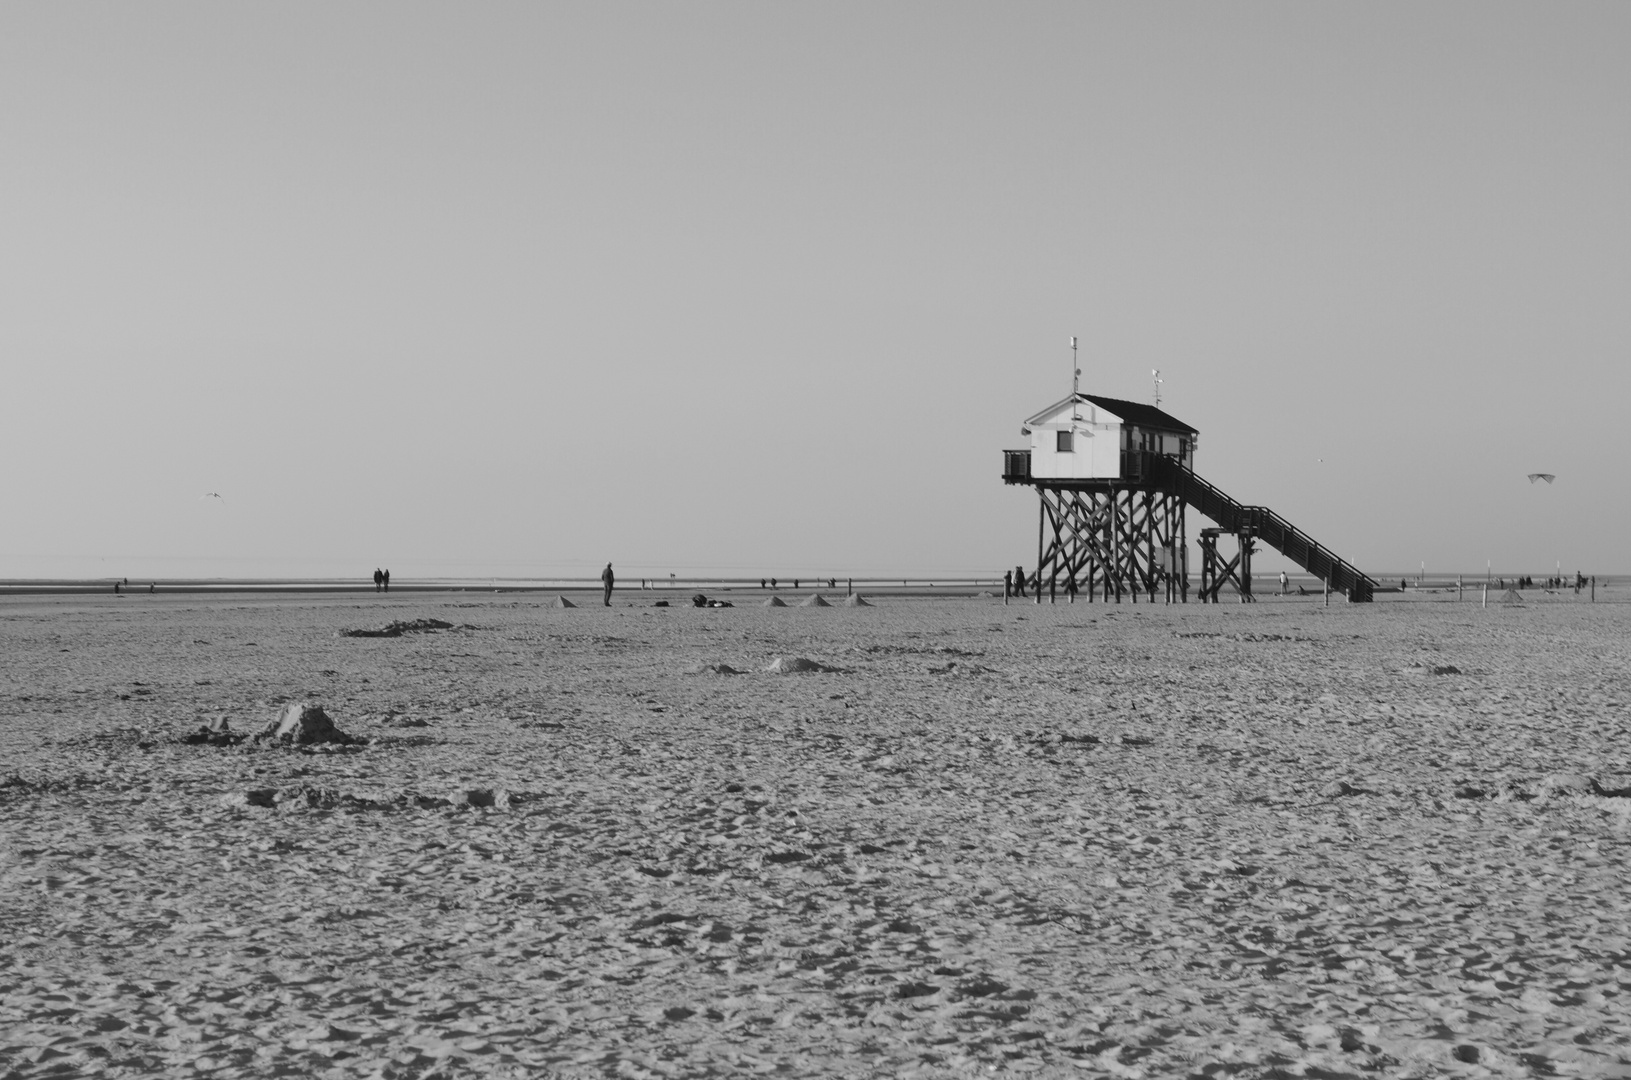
x,y
211,495
1546,476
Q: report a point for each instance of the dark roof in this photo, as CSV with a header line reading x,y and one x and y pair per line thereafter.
x,y
1134,412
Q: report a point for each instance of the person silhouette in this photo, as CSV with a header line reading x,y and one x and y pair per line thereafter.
x,y
379,579
386,578
607,578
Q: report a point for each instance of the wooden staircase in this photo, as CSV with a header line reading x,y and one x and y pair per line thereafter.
x,y
1167,474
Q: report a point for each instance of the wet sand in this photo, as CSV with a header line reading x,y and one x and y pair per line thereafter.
x,y
1135,840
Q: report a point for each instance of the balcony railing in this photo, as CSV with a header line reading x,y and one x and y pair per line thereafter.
x,y
1016,466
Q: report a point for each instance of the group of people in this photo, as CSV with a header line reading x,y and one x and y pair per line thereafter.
x,y
1013,583
382,580
772,583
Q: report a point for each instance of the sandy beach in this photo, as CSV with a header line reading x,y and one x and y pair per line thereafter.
x,y
1277,840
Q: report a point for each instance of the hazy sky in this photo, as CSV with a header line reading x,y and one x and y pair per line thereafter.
x,y
514,289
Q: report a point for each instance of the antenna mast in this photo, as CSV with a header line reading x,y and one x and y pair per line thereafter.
x,y
1155,373
1075,371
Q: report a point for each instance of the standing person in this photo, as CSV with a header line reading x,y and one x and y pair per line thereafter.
x,y
1019,581
1282,583
379,579
386,578
606,580
1007,584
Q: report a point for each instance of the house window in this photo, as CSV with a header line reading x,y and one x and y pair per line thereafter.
x,y
1064,441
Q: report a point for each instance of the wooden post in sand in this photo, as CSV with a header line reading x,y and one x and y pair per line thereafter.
x,y
1458,588
1327,590
1485,602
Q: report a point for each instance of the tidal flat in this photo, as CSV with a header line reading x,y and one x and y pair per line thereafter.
x,y
1079,839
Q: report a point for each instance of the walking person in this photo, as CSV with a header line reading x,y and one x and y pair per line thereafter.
x,y
379,579
606,580
386,578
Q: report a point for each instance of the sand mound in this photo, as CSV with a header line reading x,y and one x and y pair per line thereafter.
x,y
1512,596
304,724
561,601
774,601
856,600
987,594
397,629
815,600
1563,783
796,665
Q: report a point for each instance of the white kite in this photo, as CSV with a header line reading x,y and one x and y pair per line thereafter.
x,y
1546,476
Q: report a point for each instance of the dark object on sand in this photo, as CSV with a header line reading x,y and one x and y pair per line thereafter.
x,y
217,732
799,665
660,603
397,629
699,600
720,603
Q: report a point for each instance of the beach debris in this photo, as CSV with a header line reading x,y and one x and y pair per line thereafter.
x,y
561,601
304,724
699,600
959,667
856,600
1433,669
216,732
660,603
987,594
1338,789
713,669
815,600
720,603
481,798
314,797
774,601
796,665
397,629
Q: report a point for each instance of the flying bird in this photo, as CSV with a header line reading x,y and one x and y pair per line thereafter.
x,y
211,495
1546,476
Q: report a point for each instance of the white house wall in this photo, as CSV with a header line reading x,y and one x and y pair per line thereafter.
x,y
1096,458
